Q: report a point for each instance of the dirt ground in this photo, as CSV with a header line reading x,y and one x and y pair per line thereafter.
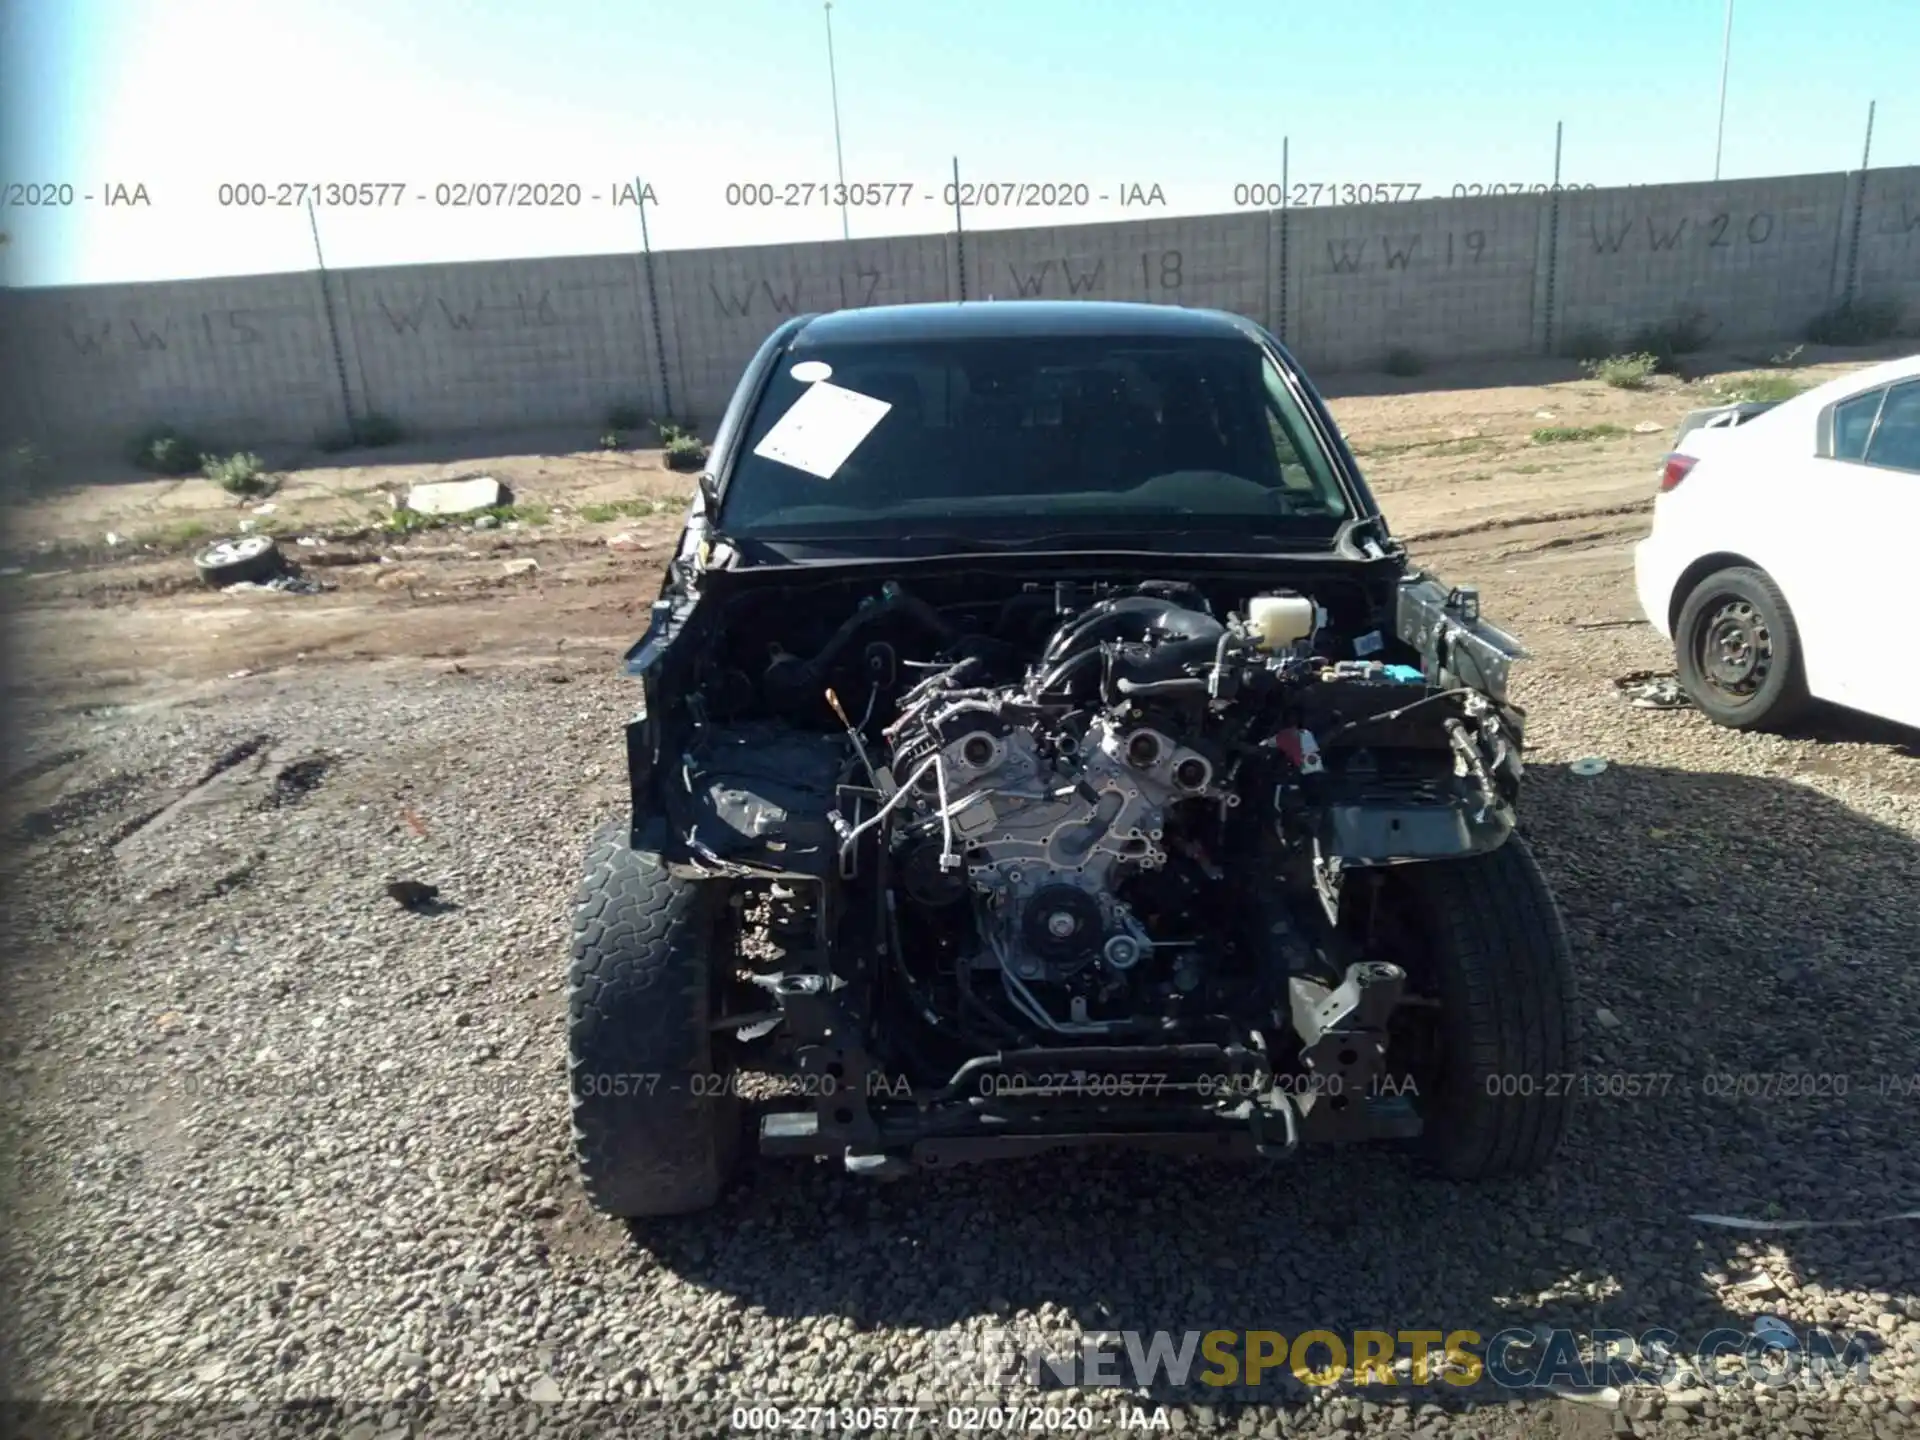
x,y
106,599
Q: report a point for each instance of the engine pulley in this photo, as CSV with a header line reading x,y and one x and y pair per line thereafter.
x,y
923,879
1062,924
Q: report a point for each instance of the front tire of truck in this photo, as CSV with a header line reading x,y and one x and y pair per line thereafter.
x,y
1495,1088
652,1136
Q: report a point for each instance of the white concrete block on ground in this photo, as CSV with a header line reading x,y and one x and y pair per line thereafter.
x,y
455,497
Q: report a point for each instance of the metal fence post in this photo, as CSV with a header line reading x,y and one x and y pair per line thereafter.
x,y
1553,238
1859,213
1276,267
653,301
333,326
959,232
1286,232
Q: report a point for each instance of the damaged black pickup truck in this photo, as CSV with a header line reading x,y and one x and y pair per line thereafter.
x,y
1045,743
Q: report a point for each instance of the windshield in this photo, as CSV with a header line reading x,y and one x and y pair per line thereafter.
x,y
996,436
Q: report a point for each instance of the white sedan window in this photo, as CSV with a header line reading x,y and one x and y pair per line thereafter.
x,y
1853,424
1896,438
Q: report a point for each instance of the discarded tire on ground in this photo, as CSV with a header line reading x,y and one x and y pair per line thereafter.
x,y
230,562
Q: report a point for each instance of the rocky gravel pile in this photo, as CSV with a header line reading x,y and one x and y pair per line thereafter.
x,y
271,1135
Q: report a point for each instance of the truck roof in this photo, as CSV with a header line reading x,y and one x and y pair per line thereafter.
x,y
1003,319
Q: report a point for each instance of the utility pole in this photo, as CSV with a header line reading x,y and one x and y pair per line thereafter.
x,y
839,160
1726,55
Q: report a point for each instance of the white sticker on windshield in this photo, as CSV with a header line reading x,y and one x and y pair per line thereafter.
x,y
823,428
808,371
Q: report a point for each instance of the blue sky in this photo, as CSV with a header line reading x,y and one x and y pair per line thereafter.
x,y
183,95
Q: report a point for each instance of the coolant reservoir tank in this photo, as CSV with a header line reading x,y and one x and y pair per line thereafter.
x,y
1279,621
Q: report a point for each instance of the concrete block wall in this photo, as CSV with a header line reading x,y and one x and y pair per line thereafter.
x,y
463,347
506,343
241,358
1888,260
718,305
1441,277
1758,258
1217,262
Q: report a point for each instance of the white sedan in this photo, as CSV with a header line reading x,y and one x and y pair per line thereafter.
x,y
1782,550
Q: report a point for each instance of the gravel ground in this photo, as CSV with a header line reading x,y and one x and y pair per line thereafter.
x,y
272,1137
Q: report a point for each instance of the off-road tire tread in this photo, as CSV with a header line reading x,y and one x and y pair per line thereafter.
x,y
637,1005
1508,1001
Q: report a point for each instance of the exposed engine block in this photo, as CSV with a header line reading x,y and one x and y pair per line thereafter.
x,y
1038,809
1097,812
